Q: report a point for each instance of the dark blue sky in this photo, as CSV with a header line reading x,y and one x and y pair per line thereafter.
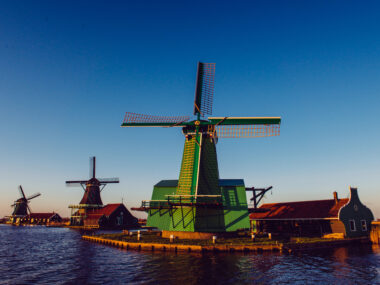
x,y
69,71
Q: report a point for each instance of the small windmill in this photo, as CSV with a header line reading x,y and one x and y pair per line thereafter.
x,y
20,206
92,188
198,182
93,185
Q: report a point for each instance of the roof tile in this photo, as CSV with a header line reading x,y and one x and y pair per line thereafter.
x,y
106,210
317,209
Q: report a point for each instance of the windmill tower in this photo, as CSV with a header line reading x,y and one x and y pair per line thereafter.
x,y
199,201
91,198
21,207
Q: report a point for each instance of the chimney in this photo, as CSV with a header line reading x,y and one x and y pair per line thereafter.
x,y
336,197
354,193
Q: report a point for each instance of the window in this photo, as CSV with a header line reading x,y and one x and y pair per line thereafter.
x,y
364,225
352,226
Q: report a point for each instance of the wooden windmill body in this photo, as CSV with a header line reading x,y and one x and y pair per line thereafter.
x,y
199,201
21,207
91,199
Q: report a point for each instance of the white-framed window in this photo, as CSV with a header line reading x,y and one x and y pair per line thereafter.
x,y
364,225
352,226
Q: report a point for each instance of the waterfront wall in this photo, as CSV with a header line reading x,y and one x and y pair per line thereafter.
x,y
249,247
375,232
186,248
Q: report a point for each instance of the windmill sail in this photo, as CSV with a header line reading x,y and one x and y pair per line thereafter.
x,y
75,183
33,196
245,120
204,89
248,131
21,192
141,120
245,127
92,167
108,180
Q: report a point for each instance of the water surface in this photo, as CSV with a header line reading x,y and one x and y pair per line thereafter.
x,y
39,255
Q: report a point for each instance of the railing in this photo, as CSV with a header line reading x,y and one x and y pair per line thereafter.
x,y
155,204
84,206
183,200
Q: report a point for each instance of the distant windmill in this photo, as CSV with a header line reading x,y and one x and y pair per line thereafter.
x,y
91,198
21,206
94,186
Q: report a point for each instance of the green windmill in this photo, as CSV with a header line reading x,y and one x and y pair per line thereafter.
x,y
199,201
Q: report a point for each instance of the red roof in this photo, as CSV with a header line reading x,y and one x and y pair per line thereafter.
x,y
106,210
318,209
41,215
94,216
92,219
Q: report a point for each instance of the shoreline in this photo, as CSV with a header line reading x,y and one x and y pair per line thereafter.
x,y
252,247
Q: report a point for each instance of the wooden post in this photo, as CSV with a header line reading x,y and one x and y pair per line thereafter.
x,y
138,235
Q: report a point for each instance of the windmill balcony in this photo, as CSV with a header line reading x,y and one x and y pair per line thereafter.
x,y
84,206
183,201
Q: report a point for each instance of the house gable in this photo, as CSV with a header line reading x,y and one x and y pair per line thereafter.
x,y
111,216
355,216
121,217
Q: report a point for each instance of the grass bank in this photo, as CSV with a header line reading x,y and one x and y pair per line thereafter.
x,y
152,241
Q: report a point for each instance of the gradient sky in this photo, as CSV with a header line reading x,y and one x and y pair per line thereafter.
x,y
69,71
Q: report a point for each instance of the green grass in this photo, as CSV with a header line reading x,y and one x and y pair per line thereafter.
x,y
310,240
154,237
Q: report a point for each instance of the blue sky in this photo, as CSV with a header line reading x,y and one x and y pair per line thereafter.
x,y
69,71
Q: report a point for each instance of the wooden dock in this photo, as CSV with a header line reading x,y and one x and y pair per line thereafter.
x,y
185,248
246,248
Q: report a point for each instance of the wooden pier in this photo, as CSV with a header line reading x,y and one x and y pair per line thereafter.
x,y
215,248
185,248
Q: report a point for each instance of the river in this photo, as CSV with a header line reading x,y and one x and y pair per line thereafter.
x,y
40,255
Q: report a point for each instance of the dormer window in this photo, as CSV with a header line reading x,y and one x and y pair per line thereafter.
x,y
352,226
364,225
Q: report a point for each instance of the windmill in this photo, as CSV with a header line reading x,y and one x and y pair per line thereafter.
x,y
20,206
201,202
92,188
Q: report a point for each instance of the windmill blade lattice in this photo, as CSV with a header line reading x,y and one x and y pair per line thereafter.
x,y
75,183
108,180
204,90
33,196
246,131
141,120
21,192
244,127
92,167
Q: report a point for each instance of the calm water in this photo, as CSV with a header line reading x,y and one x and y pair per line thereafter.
x,y
38,255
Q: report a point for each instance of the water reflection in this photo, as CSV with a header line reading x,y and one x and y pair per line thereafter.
x,y
41,255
